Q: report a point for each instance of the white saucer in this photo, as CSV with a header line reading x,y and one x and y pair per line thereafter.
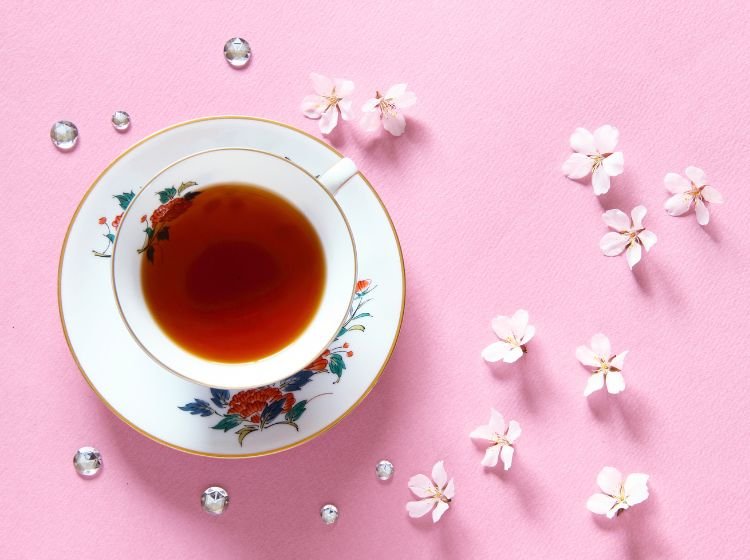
x,y
191,417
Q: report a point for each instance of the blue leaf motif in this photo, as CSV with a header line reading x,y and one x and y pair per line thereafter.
x,y
298,380
220,397
198,407
271,411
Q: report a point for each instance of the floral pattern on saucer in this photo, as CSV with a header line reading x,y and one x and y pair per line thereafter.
x,y
123,200
254,410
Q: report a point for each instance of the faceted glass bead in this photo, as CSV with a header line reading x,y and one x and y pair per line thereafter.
x,y
384,470
215,500
329,514
237,52
87,461
64,135
120,120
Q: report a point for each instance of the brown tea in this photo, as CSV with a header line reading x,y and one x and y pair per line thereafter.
x,y
232,273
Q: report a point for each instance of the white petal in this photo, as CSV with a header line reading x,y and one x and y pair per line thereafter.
x,y
600,181
648,238
606,138
482,432
609,480
496,351
490,456
405,100
617,220
322,85
396,124
497,422
696,175
370,121
345,105
370,105
678,204
438,512
528,335
582,141
712,195
614,165
328,120
601,346
502,326
420,485
395,91
636,488
420,508
506,454
613,243
450,490
518,323
615,382
633,254
638,213
343,88
577,166
439,476
513,355
600,504
514,431
619,360
676,183
595,382
312,106
613,512
586,356
701,212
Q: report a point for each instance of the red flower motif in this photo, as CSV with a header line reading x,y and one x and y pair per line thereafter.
x,y
116,221
143,218
170,211
318,365
102,221
350,353
346,345
362,285
249,404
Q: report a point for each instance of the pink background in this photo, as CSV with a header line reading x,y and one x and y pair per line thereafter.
x,y
487,223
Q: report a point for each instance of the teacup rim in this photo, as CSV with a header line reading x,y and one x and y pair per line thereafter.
x,y
149,183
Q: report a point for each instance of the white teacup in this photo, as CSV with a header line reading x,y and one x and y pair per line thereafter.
x,y
313,197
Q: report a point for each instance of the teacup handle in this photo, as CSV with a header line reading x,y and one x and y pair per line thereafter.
x,y
340,173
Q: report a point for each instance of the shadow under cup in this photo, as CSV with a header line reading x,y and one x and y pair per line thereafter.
x,y
181,184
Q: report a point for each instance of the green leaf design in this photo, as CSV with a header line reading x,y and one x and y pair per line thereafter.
x,y
125,199
228,422
336,364
185,185
167,194
360,316
149,231
242,434
296,411
111,237
163,234
150,253
342,332
357,328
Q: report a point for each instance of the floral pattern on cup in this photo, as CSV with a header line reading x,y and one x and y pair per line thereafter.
x,y
174,202
255,410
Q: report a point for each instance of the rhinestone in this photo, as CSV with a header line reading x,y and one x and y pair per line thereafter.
x,y
121,120
64,134
237,52
329,514
87,461
384,470
215,500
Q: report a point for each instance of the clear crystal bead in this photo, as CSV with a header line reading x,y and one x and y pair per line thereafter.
x,y
237,52
329,514
121,120
384,470
64,134
215,500
87,461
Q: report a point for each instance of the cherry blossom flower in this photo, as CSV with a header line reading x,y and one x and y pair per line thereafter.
x,y
686,192
514,333
629,234
436,493
595,154
607,367
386,109
617,495
502,439
331,98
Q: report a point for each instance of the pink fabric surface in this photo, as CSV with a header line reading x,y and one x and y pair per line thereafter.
x,y
488,224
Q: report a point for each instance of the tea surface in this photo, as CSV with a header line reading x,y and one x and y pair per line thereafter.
x,y
234,272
